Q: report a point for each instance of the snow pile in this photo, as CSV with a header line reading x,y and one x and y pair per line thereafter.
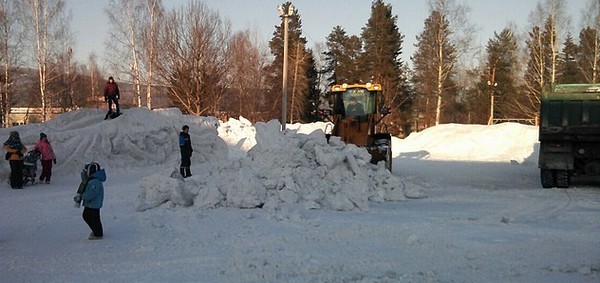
x,y
495,143
138,138
282,168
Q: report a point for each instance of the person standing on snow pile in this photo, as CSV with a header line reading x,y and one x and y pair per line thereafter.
x,y
91,194
15,150
112,95
48,157
185,145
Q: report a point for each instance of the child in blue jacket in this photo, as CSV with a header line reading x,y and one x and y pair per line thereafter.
x,y
91,193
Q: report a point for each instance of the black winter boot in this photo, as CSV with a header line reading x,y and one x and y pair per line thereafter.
x,y
188,172
182,171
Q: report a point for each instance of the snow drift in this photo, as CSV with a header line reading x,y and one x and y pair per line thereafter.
x,y
494,143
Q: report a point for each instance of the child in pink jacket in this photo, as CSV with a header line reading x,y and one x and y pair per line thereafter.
x,y
48,157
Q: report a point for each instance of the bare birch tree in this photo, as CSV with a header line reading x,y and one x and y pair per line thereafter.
x,y
589,63
124,41
50,33
551,15
95,80
550,25
154,14
135,25
12,43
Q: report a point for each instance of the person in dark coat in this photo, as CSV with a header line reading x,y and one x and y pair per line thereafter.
x,y
355,108
15,150
185,145
112,95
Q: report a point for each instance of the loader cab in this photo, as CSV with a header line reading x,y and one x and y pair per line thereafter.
x,y
351,102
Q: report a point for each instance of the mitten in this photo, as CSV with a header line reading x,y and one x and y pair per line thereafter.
x,y
54,160
77,199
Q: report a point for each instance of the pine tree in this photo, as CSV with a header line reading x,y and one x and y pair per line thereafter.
x,y
568,70
310,113
381,62
341,57
499,76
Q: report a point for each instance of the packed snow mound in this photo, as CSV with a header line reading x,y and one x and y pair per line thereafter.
x,y
139,137
281,168
240,134
449,141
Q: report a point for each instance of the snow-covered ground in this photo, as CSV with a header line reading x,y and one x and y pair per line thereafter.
x,y
464,204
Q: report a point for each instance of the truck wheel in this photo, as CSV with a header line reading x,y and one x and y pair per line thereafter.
x,y
562,178
547,177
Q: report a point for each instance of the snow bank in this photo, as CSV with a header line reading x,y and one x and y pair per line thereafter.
x,y
496,143
281,168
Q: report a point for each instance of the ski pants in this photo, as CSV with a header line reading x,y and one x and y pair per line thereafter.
x,y
91,216
186,163
16,174
110,101
46,170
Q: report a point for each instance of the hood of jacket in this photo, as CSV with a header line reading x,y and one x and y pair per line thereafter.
x,y
99,175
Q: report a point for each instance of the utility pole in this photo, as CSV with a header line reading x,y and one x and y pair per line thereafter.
x,y
492,83
285,15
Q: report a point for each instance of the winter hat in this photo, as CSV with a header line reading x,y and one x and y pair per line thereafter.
x,y
185,127
43,136
111,79
14,134
91,168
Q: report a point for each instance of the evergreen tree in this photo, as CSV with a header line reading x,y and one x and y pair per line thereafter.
x,y
341,57
589,55
310,113
568,70
499,76
434,62
381,62
299,60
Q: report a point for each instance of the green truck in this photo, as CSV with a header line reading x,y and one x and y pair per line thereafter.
x,y
569,134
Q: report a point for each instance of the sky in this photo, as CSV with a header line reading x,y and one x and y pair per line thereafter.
x,y
90,23
463,203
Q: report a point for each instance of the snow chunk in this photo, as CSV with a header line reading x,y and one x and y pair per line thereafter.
x,y
158,189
